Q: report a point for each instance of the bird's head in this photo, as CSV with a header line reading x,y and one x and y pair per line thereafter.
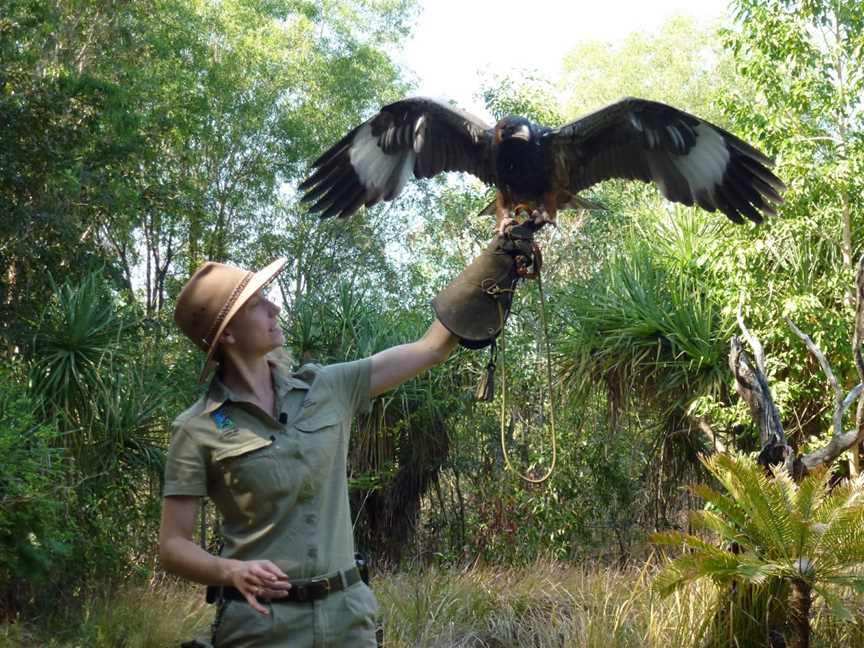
x,y
513,128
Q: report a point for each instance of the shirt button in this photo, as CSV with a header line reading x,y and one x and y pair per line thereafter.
x,y
312,553
305,492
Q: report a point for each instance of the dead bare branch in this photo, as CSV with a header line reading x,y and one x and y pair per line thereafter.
x,y
840,441
752,340
838,444
854,393
752,386
857,341
823,361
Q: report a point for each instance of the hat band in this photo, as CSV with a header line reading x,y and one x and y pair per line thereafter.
x,y
225,308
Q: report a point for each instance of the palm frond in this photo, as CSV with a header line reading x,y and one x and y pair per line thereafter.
x,y
646,319
767,508
736,515
835,604
79,335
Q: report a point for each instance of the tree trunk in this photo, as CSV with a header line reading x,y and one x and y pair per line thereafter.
x,y
800,614
857,342
752,385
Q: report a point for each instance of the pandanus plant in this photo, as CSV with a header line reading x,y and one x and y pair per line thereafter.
x,y
806,537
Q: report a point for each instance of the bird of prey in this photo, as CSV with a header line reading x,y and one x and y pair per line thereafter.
x,y
691,160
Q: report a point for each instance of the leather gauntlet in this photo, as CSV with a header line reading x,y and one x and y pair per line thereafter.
x,y
475,305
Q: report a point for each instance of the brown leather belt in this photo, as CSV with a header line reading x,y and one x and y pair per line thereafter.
x,y
300,592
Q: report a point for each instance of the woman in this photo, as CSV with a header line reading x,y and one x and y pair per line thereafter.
x,y
269,447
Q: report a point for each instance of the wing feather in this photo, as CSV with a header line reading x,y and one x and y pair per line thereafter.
x,y
689,159
375,160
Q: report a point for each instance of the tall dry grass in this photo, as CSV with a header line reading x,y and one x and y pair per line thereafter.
x,y
155,615
548,604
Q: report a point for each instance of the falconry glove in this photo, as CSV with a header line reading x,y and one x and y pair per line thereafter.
x,y
475,305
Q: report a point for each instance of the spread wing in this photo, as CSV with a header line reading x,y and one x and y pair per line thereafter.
x,y
374,161
689,159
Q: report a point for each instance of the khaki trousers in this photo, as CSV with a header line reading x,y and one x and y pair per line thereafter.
x,y
345,619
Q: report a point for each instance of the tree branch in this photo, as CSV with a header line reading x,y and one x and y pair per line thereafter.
x,y
857,341
752,386
752,340
838,444
823,361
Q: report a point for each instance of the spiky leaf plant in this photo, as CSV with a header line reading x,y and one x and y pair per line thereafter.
x,y
79,335
808,535
646,319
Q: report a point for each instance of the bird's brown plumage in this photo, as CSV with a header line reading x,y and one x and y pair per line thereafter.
x,y
689,159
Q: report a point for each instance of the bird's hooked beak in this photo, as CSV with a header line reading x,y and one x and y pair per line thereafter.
x,y
523,133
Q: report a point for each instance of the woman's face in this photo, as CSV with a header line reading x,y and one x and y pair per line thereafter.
x,y
254,330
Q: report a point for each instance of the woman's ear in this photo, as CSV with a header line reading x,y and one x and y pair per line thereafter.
x,y
227,337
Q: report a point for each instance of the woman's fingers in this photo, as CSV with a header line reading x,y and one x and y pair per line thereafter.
x,y
253,602
273,577
273,570
274,592
262,578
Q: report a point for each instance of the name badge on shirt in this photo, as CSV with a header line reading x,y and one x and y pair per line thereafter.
x,y
222,420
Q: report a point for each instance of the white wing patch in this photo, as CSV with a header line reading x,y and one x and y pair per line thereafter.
x,y
419,133
703,167
382,174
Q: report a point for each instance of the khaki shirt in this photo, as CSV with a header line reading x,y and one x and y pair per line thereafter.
x,y
281,488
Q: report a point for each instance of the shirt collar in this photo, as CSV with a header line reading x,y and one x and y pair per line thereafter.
x,y
218,393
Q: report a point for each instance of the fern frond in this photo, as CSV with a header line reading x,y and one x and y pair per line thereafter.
x,y
841,541
767,508
835,604
812,493
731,509
718,524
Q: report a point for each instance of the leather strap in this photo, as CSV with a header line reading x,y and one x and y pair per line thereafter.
x,y
300,592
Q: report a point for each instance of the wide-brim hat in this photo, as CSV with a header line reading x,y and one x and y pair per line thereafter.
x,y
212,297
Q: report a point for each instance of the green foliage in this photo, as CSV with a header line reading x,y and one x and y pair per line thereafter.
x,y
646,320
681,64
783,532
525,95
172,128
34,530
79,330
95,447
88,380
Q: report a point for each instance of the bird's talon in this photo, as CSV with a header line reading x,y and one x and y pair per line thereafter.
x,y
506,224
541,217
523,209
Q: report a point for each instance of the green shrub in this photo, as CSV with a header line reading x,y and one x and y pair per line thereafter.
x,y
34,530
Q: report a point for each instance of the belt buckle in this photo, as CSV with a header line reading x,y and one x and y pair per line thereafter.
x,y
324,582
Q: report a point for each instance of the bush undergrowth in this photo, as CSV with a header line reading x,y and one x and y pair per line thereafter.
x,y
546,604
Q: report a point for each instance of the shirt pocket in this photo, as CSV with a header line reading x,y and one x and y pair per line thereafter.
x,y
249,469
320,437
319,420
